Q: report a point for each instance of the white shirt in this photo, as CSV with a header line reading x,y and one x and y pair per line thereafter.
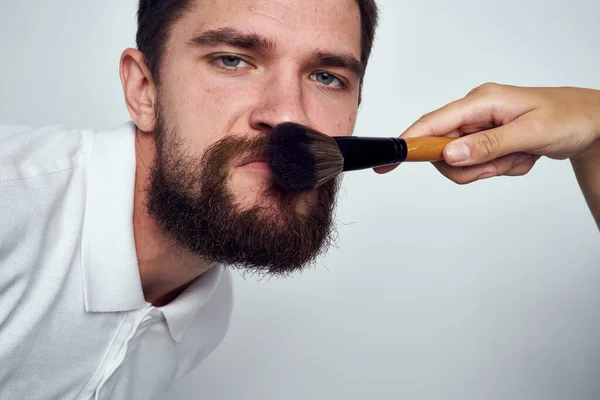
x,y
73,320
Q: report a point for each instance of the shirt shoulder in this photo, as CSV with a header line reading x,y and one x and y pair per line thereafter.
x,y
26,151
42,197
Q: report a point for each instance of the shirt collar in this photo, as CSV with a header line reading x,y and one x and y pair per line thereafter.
x,y
180,312
111,278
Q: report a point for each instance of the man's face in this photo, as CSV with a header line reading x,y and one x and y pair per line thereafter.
x,y
232,71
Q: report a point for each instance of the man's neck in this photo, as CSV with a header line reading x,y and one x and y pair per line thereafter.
x,y
165,268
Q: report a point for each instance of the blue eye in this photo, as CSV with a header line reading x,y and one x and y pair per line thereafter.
x,y
325,78
231,61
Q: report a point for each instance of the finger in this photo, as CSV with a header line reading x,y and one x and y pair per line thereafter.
x,y
389,168
486,106
513,163
518,136
519,167
483,108
449,118
386,169
523,168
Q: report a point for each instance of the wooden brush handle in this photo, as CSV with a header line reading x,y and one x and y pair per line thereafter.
x,y
426,148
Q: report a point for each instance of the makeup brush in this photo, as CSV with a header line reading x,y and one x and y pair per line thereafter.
x,y
302,158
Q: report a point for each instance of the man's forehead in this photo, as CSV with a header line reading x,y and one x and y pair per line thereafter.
x,y
333,21
280,8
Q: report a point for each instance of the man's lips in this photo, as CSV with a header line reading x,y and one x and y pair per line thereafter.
x,y
251,158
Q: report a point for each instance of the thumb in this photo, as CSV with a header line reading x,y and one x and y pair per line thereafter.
x,y
484,146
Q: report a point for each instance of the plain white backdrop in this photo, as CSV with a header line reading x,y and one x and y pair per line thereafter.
x,y
434,290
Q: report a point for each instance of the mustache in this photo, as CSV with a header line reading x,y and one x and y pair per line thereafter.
x,y
242,147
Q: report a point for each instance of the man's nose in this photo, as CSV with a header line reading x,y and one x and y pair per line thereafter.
x,y
282,100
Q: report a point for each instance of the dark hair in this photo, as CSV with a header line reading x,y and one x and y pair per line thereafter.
x,y
156,18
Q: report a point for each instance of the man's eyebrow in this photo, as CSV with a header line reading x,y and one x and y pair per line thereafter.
x,y
340,60
232,37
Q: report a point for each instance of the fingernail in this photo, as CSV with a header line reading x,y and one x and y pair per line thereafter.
x,y
457,152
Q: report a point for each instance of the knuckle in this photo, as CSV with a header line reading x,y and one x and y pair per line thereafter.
x,y
520,170
425,118
424,124
464,181
486,144
485,89
523,172
527,167
460,179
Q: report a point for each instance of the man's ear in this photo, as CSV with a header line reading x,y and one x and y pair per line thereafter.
x,y
139,89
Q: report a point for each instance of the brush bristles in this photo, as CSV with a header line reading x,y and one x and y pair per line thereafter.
x,y
301,158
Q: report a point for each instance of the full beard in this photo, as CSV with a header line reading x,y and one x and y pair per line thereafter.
x,y
191,202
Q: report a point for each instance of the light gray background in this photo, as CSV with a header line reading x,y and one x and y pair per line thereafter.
x,y
435,291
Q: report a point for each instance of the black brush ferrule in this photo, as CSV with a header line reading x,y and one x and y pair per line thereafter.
x,y
371,152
